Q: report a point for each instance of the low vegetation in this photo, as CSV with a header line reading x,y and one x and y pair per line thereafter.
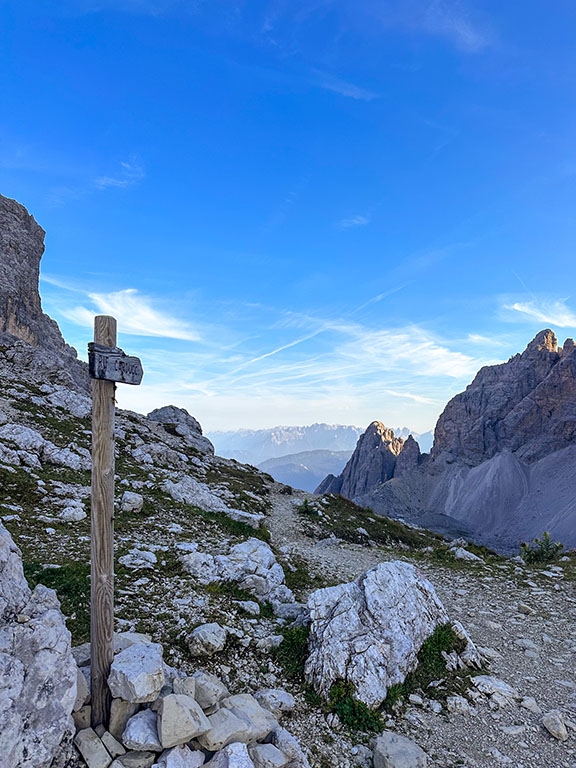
x,y
542,550
431,667
71,581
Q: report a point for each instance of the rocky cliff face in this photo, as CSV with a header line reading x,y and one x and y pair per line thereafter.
x,y
408,458
21,315
371,464
21,248
526,406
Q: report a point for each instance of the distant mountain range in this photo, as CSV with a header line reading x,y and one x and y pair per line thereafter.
x,y
306,469
253,446
308,453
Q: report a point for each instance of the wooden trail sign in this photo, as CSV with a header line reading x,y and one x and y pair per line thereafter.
x,y
107,365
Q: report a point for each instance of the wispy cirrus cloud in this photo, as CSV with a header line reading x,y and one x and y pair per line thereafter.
x,y
552,312
129,173
135,313
353,222
342,87
452,19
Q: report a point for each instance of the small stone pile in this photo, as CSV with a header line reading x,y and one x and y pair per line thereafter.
x,y
161,718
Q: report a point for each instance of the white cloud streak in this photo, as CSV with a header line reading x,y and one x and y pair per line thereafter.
x,y
135,314
331,83
353,222
450,19
550,312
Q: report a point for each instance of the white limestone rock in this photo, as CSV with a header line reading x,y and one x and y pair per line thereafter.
x,y
459,553
131,502
369,631
233,756
72,513
137,673
207,639
92,750
253,565
135,759
259,722
275,700
208,689
225,728
185,685
180,719
38,675
29,440
267,756
289,746
391,750
180,757
120,712
137,559
82,691
141,732
201,566
497,690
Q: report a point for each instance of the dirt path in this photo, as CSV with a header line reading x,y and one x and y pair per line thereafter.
x,y
525,616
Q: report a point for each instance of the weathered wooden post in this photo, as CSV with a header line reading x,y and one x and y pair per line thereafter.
x,y
107,365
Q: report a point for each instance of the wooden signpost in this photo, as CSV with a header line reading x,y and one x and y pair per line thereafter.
x,y
107,365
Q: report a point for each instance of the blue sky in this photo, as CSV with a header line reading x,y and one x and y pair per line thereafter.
x,y
301,210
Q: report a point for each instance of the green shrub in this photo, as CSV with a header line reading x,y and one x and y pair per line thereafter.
x,y
353,713
542,550
307,509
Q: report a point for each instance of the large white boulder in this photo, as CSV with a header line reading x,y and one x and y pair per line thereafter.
x,y
368,632
132,502
38,675
137,673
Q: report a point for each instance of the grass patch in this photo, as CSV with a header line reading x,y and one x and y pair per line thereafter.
x,y
431,666
297,574
72,584
292,653
342,518
353,713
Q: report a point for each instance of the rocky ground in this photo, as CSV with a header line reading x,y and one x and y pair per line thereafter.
x,y
183,519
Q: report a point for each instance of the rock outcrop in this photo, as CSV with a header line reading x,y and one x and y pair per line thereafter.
x,y
38,675
21,248
526,406
183,424
408,458
368,632
21,315
371,464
